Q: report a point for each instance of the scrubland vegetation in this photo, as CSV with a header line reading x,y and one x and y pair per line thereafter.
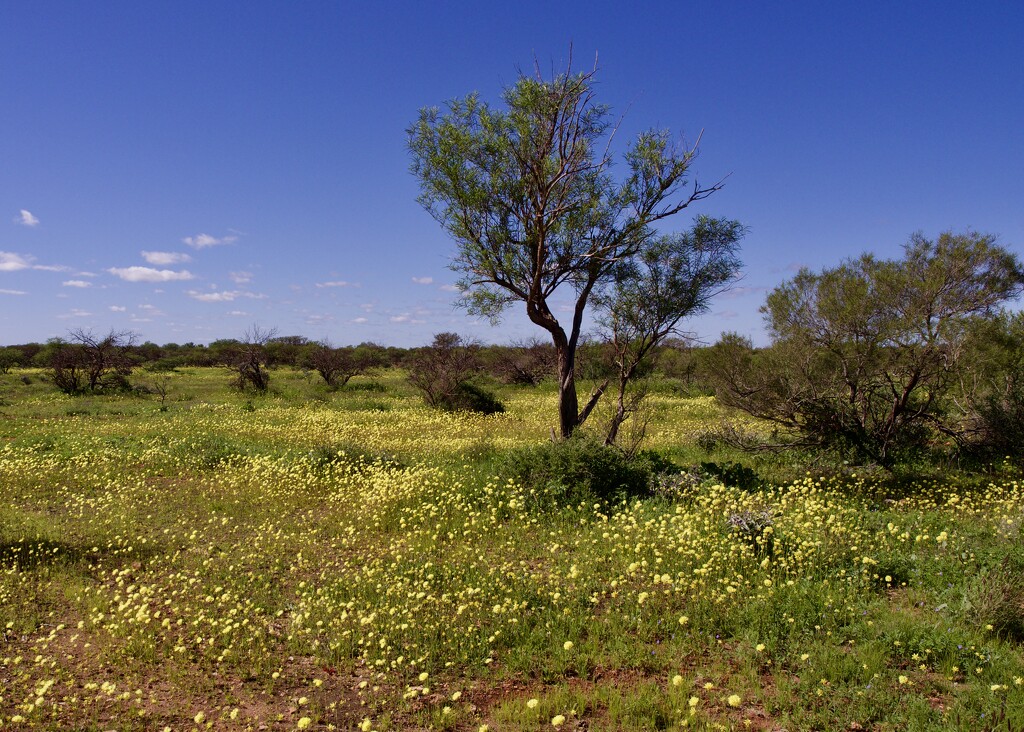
x,y
323,557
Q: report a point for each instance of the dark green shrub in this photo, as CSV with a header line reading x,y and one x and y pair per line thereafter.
x,y
578,469
735,475
468,397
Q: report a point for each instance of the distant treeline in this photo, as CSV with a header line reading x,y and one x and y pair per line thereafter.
x,y
526,363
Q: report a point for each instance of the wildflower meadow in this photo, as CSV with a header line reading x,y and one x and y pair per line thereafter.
x,y
352,559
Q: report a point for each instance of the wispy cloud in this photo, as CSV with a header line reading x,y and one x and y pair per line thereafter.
x,y
405,318
163,259
238,313
318,318
76,313
148,274
76,283
118,308
360,320
223,296
25,218
449,288
226,296
240,278
202,241
13,292
335,283
51,267
11,262
423,280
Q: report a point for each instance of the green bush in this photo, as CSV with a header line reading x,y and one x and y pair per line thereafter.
x,y
576,470
468,397
997,597
732,474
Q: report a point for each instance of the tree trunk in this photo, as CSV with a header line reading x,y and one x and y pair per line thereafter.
x,y
617,418
568,401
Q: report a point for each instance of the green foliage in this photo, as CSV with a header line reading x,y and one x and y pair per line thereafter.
x,y
734,474
670,278
996,598
442,372
468,397
580,469
866,357
9,358
527,194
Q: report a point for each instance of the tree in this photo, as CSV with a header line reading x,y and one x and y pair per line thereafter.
x,y
248,359
990,389
527,363
865,356
442,371
286,350
528,196
337,365
9,358
89,362
671,278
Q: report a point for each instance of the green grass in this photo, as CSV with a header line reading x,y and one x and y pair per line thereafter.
x,y
309,554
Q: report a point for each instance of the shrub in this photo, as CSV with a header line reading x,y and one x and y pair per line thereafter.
x,y
734,474
576,470
442,371
468,397
997,597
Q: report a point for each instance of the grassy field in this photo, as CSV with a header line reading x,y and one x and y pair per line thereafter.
x,y
351,560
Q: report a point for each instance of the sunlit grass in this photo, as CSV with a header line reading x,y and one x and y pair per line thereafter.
x,y
311,558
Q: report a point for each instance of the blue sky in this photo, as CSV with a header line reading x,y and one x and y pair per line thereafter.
x,y
187,169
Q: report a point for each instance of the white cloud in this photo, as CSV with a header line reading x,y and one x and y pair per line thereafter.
x,y
148,274
226,296
76,283
449,288
240,278
223,296
318,319
76,313
118,308
423,280
238,313
51,267
360,320
335,283
11,262
404,318
13,292
25,218
201,241
165,258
